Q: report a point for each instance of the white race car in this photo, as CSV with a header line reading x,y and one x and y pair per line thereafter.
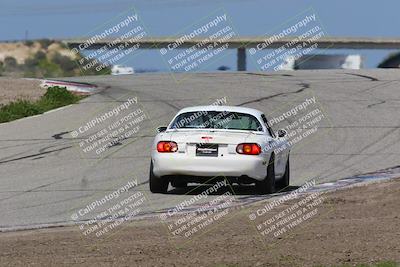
x,y
220,142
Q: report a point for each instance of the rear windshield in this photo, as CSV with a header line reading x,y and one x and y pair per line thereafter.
x,y
216,120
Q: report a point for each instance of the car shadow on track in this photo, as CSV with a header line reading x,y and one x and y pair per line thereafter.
x,y
234,189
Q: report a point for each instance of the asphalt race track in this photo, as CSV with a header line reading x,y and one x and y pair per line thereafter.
x,y
46,177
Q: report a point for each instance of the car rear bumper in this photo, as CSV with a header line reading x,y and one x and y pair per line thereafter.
x,y
166,164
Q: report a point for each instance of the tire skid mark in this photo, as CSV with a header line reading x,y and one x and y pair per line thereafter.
x,y
304,86
35,155
378,103
373,79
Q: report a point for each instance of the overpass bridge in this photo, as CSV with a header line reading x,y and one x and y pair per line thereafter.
x,y
243,43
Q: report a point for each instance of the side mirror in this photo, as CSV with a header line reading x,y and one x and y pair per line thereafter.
x,y
282,133
161,129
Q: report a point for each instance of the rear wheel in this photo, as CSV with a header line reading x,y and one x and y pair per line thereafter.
x,y
157,184
285,180
267,186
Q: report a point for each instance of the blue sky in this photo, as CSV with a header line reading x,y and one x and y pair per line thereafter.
x,y
72,18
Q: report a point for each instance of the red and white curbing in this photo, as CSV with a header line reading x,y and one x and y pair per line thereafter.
x,y
75,87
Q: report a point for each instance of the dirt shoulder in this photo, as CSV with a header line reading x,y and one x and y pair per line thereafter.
x,y
12,89
357,225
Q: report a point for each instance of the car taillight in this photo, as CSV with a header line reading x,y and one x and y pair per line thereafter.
x,y
248,149
167,146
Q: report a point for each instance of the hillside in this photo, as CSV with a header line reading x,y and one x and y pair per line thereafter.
x,y
40,59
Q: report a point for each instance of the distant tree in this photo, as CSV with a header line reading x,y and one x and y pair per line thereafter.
x,y
57,65
34,61
45,43
29,43
63,45
49,69
31,63
96,69
40,55
1,68
10,63
66,63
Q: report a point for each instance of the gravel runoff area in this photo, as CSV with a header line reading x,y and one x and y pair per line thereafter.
x,y
355,225
12,89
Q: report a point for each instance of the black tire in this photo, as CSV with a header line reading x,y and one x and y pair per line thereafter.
x,y
267,186
179,184
285,180
157,184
